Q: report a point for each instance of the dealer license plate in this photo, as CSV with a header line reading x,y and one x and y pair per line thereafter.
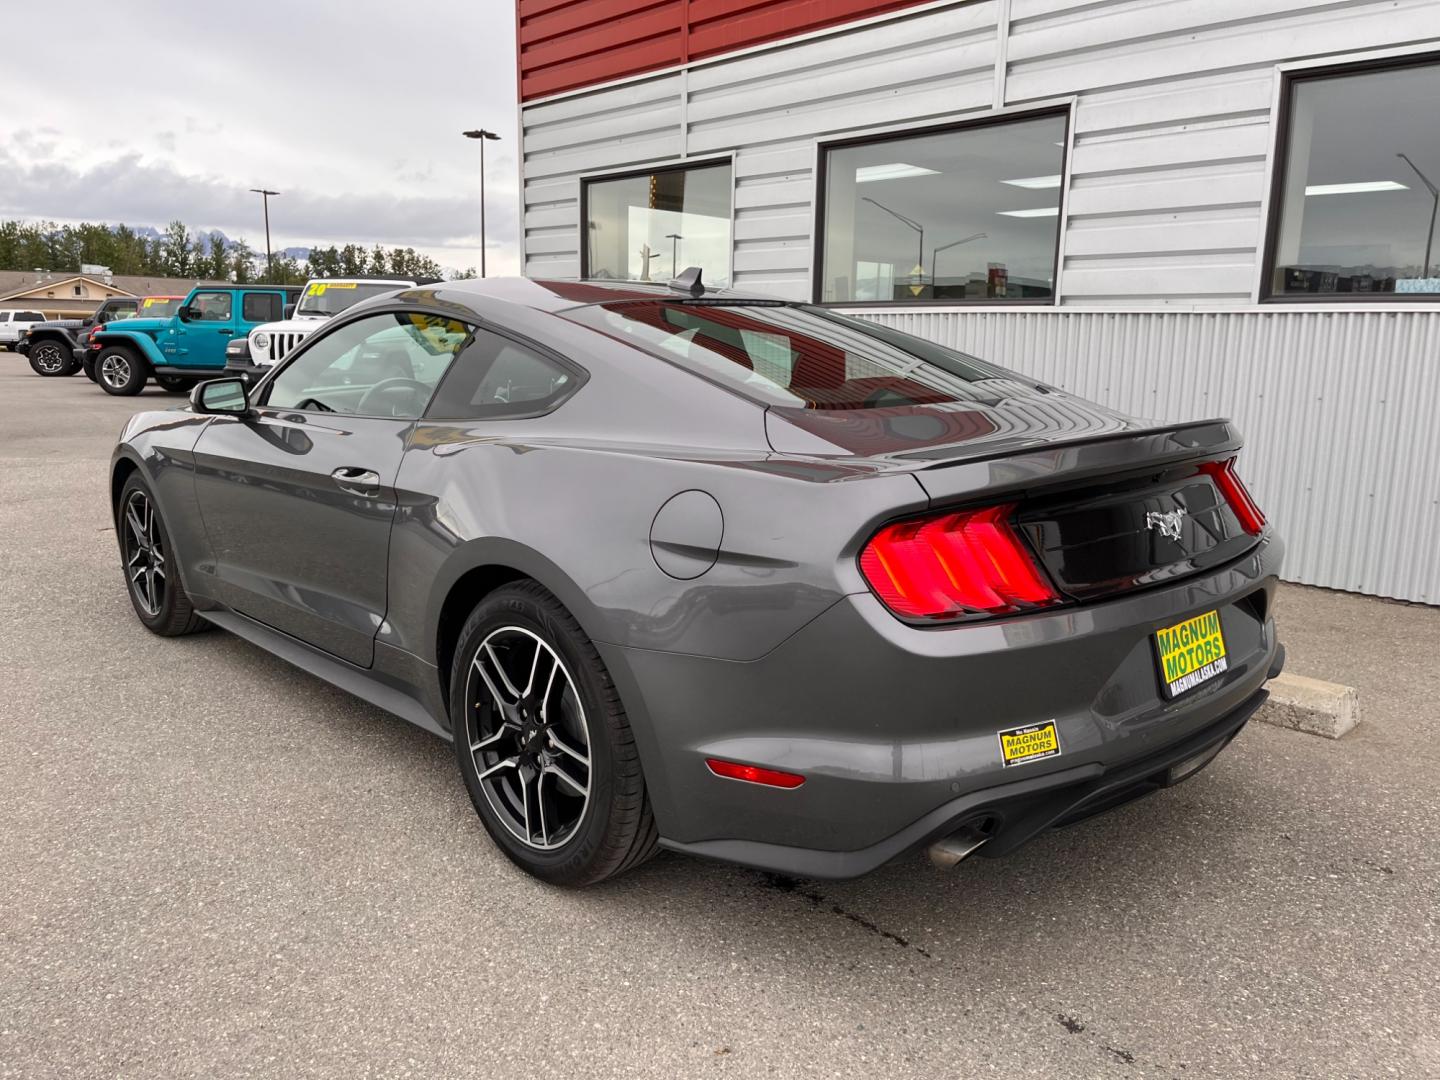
x,y
1190,653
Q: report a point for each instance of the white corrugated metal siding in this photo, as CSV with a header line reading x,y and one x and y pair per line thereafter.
x,y
1338,412
1160,247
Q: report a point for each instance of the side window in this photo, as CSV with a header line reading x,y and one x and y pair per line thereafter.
x,y
260,307
495,378
30,316
211,307
381,365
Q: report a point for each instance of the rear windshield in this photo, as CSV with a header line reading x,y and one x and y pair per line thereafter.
x,y
797,357
333,297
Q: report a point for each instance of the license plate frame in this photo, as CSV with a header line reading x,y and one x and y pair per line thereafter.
x,y
1190,653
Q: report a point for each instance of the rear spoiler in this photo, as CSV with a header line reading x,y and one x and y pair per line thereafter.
x,y
1023,470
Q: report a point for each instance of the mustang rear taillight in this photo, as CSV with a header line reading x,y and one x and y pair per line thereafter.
x,y
753,774
947,566
1231,486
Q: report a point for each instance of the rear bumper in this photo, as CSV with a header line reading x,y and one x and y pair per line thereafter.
x,y
896,728
1009,814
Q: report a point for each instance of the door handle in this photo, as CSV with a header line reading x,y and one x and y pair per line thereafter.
x,y
226,333
357,481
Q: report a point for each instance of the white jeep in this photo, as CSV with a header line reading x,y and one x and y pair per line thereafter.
x,y
269,343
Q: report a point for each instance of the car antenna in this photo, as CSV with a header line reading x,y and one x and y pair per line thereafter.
x,y
688,281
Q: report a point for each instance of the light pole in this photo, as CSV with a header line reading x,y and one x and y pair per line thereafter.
x,y
936,251
919,258
1434,205
674,239
483,136
265,198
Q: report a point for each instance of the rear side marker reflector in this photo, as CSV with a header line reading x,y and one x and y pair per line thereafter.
x,y
1231,486
753,774
951,565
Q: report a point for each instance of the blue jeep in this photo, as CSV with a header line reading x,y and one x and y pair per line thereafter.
x,y
184,348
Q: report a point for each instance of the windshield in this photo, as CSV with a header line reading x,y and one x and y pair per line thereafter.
x,y
333,297
157,307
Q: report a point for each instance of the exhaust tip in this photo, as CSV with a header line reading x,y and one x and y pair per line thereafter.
x,y
957,847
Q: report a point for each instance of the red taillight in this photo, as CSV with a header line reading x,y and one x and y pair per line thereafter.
x,y
1230,485
753,774
964,563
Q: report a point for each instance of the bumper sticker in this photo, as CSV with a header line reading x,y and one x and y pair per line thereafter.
x,y
1030,743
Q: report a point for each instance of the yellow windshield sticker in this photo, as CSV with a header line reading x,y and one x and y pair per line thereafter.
x,y
340,284
317,288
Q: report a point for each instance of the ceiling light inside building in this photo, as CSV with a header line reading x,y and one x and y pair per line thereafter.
x,y
1348,189
896,170
1035,182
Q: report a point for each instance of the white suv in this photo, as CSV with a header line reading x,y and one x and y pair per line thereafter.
x,y
269,343
15,323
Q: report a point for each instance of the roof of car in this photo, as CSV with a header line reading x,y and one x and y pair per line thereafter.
x,y
554,295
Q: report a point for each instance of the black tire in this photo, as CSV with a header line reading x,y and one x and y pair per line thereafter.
x,y
120,371
88,365
50,359
159,599
175,384
615,829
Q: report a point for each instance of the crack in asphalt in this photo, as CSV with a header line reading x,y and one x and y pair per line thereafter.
x,y
791,885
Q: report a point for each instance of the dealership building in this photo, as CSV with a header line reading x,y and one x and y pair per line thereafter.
x,y
1182,208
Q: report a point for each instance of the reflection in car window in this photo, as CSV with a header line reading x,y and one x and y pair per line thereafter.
x,y
795,356
495,378
382,365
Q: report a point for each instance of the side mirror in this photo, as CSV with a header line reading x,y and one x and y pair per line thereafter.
x,y
184,313
289,311
221,397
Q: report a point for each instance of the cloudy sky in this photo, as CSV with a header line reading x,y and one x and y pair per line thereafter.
x,y
353,111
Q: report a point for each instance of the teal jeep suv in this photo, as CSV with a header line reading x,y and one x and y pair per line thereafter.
x,y
184,348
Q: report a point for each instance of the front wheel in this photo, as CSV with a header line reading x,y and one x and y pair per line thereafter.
x,y
50,358
151,575
88,366
543,743
121,372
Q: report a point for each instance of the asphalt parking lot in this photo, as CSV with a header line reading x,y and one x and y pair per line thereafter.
x,y
212,864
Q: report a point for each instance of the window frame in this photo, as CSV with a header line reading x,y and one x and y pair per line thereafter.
x,y
581,377
1289,76
680,164
823,147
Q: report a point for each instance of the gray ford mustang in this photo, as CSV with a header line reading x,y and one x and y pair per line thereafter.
x,y
717,573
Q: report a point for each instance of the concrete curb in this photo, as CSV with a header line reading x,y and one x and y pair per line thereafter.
x,y
1310,705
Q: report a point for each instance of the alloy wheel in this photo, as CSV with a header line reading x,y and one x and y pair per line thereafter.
x,y
48,357
115,370
527,733
144,556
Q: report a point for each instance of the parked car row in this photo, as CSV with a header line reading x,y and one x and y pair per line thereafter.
x,y
180,340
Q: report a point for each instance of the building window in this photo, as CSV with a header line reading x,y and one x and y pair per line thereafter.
x,y
967,213
649,226
1359,185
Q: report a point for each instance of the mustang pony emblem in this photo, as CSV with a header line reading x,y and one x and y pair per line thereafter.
x,y
1168,524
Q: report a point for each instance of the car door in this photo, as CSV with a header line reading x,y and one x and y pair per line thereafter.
x,y
210,323
298,498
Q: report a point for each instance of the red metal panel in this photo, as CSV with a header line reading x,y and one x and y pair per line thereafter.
x,y
570,44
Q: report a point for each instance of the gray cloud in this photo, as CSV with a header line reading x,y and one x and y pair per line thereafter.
x,y
137,191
